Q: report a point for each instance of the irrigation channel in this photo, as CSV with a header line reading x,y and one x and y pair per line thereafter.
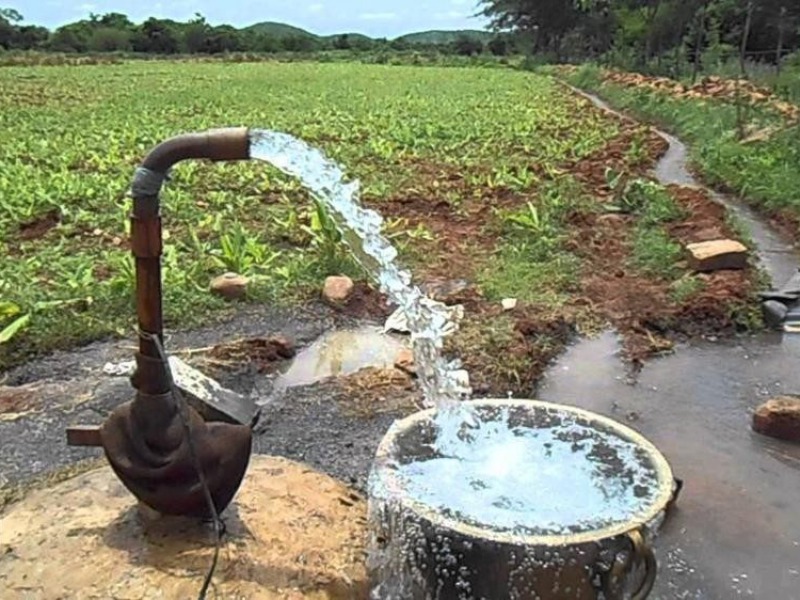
x,y
734,532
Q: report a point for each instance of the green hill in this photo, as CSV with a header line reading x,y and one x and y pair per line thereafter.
x,y
279,30
282,30
350,36
444,37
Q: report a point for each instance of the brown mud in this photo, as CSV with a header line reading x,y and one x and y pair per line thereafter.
x,y
509,350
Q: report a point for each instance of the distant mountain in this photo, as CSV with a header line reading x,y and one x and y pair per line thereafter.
x,y
280,30
444,37
350,36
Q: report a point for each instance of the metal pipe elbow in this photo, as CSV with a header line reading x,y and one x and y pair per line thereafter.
x,y
226,144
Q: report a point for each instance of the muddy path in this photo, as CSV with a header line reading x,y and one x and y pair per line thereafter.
x,y
736,533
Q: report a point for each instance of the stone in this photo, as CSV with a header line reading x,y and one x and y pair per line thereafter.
x,y
204,394
337,289
230,286
717,255
291,533
779,418
210,399
774,313
509,303
398,320
405,362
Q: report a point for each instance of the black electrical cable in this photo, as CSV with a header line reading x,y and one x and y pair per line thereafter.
x,y
183,412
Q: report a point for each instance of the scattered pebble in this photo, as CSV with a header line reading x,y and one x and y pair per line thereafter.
x,y
229,285
337,289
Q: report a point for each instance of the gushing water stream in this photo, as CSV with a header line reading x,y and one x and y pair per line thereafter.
x,y
429,321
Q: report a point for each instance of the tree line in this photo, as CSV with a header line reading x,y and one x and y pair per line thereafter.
x,y
115,32
640,31
636,34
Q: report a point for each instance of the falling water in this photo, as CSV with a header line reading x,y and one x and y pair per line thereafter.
x,y
428,321
483,471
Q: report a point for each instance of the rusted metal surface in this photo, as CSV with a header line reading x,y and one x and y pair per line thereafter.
x,y
84,435
145,440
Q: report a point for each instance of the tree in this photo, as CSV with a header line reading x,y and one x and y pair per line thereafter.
x,y
195,35
498,45
109,39
8,26
30,37
341,42
544,22
223,38
156,36
71,38
467,46
299,43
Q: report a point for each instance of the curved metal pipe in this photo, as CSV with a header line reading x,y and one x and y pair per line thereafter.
x,y
144,440
216,145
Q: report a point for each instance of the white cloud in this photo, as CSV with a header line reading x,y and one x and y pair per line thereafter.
x,y
384,16
86,7
316,8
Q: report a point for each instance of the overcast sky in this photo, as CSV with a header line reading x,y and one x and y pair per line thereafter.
x,y
377,18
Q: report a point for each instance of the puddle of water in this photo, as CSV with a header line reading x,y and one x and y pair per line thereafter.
x,y
736,529
341,352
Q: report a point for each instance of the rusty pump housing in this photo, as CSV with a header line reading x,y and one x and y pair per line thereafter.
x,y
145,440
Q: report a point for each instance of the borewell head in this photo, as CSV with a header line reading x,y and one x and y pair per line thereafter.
x,y
164,452
530,500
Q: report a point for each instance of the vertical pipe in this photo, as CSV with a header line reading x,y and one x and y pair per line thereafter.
x,y
216,145
147,246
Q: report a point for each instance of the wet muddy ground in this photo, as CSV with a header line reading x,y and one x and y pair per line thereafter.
x,y
736,530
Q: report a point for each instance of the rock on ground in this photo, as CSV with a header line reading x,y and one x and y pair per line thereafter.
x,y
779,418
337,289
717,255
229,285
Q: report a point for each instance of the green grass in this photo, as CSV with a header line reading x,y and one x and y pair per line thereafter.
x,y
74,135
766,173
684,288
530,263
655,253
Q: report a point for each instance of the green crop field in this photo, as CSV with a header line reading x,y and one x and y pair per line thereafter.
x,y
74,135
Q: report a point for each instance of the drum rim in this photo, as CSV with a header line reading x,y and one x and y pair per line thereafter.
x,y
644,517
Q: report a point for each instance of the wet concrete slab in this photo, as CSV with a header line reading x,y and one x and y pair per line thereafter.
x,y
736,530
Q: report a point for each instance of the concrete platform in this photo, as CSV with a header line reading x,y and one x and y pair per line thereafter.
x,y
292,533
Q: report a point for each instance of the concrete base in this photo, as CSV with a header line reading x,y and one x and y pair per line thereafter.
x,y
292,533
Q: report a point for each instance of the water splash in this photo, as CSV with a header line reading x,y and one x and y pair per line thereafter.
x,y
563,478
429,321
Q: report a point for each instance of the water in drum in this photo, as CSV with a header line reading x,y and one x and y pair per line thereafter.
x,y
561,479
